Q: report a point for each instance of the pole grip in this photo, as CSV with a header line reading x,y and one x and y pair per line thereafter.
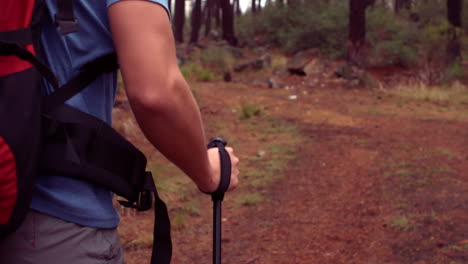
x,y
225,160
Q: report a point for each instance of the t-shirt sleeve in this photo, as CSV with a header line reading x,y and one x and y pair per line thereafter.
x,y
162,3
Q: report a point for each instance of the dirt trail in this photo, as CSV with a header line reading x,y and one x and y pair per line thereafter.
x,y
339,201
371,183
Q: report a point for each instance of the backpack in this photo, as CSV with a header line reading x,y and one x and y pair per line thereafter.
x,y
42,133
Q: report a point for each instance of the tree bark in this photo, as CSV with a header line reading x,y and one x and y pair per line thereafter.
x,y
454,11
208,16
217,7
400,4
228,22
280,3
238,9
357,31
196,19
254,6
179,20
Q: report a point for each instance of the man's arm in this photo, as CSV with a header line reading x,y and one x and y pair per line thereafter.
x,y
158,93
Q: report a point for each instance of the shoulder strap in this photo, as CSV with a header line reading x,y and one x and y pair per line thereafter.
x,y
65,18
87,75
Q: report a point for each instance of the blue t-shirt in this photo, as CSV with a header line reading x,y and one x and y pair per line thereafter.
x,y
66,198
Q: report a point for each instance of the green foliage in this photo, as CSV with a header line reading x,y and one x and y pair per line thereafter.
x,y
204,75
401,222
196,71
454,72
247,111
252,199
217,58
393,39
415,37
312,24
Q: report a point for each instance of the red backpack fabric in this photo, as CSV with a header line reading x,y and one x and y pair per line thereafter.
x,y
42,133
19,111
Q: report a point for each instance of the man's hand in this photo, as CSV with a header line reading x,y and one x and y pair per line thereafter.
x,y
214,160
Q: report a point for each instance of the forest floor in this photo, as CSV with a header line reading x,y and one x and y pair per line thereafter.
x,y
328,175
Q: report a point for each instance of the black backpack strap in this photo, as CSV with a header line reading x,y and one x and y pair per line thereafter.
x,y
87,75
162,244
65,18
20,37
9,49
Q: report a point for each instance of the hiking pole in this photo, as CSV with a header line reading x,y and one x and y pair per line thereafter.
x,y
218,195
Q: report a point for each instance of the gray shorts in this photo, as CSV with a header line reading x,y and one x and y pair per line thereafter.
x,y
45,239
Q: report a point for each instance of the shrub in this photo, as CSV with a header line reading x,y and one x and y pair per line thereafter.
x,y
247,111
394,40
312,24
217,58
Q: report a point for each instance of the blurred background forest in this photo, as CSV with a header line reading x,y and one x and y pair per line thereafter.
x,y
428,36
350,118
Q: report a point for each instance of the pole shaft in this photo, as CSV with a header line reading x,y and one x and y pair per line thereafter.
x,y
217,232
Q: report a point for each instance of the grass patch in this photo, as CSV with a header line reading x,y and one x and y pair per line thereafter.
x,y
247,111
195,71
401,222
360,142
455,94
179,221
251,199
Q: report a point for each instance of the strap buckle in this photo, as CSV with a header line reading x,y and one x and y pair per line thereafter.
x,y
66,25
145,201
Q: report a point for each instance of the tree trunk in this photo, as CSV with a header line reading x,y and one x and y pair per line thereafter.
x,y
259,6
238,9
357,31
169,4
254,6
217,7
179,20
454,11
400,4
196,21
228,22
208,15
280,3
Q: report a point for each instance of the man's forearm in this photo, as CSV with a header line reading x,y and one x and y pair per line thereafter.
x,y
159,96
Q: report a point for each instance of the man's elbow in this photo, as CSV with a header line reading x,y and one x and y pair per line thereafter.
x,y
156,98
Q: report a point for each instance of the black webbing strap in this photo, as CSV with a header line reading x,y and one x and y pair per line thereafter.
x,y
225,168
65,18
162,244
86,76
9,49
20,37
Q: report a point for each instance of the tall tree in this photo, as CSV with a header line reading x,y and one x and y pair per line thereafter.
x,y
357,30
400,4
196,20
254,6
208,15
179,20
454,11
280,3
237,8
217,7
228,22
